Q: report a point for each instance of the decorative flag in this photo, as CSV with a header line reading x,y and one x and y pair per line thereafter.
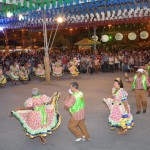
x,y
42,5
30,4
67,1
19,7
60,2
54,3
47,5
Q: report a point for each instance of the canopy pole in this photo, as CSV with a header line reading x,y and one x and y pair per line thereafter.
x,y
6,41
46,57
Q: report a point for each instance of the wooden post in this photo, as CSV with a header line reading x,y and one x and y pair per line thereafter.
x,y
46,58
7,49
47,69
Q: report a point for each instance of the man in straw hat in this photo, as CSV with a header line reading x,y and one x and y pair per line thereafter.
x,y
140,85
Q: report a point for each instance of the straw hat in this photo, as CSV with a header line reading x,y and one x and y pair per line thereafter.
x,y
140,70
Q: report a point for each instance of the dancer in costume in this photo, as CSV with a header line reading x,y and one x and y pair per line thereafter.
x,y
73,69
120,115
13,73
23,74
40,116
40,72
57,70
29,71
76,61
3,80
148,70
148,74
76,104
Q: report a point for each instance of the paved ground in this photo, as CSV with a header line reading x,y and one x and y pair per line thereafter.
x,y
95,87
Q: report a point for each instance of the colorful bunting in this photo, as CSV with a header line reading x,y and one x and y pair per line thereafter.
x,y
74,11
33,5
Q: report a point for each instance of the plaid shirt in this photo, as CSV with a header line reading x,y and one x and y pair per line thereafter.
x,y
69,102
139,84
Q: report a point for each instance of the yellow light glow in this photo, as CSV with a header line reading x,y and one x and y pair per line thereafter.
x,y
59,19
9,14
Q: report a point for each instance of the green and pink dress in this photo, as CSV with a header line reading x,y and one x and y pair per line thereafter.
x,y
42,119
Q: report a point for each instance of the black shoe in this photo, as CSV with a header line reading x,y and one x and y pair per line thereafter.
x,y
138,112
144,111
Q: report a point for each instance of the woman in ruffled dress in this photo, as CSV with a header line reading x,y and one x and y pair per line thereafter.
x,y
40,71
3,80
73,69
57,70
13,73
40,116
23,74
120,115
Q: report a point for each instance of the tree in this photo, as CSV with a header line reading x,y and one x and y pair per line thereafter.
x,y
61,41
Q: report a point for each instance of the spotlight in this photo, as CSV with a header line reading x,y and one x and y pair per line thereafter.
x,y
59,19
9,14
1,28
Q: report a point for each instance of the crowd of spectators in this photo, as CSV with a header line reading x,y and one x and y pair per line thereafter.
x,y
88,62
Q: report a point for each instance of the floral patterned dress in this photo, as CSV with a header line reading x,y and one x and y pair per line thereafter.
x,y
14,73
57,71
23,74
40,120
40,72
118,115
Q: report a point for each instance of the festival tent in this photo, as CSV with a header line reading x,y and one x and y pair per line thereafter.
x,y
35,47
41,48
87,42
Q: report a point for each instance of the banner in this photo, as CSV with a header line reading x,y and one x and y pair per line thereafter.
x,y
30,5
